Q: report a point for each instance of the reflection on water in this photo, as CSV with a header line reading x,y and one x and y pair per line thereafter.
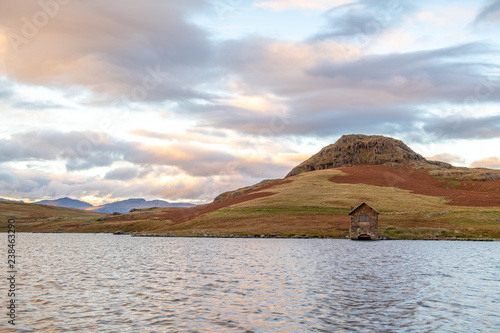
x,y
106,283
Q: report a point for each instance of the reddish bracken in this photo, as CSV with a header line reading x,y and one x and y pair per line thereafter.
x,y
481,194
185,214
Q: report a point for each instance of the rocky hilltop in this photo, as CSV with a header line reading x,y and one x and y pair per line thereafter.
x,y
355,149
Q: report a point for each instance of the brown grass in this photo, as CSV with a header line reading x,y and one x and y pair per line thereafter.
x,y
32,217
458,193
310,204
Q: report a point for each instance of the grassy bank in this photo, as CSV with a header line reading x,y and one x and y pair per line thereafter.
x,y
309,205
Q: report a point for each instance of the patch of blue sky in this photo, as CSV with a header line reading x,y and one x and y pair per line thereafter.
x,y
240,22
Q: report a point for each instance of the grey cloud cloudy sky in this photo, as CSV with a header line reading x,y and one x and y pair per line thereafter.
x,y
490,12
182,100
364,17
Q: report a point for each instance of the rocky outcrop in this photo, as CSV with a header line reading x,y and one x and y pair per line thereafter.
x,y
352,150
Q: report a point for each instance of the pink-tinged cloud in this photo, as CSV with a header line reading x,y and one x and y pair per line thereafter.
x,y
322,84
489,162
135,49
32,185
448,158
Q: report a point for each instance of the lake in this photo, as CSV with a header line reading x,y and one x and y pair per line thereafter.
x,y
109,283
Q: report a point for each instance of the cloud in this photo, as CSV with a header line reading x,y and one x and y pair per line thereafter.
x,y
35,185
415,77
87,150
320,93
257,85
155,54
490,13
208,135
192,135
248,99
448,158
316,117
79,150
124,173
490,162
426,16
364,18
458,127
15,183
295,70
37,105
5,91
7,178
281,5
194,160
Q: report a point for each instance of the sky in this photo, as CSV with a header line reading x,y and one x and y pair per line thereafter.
x,y
183,100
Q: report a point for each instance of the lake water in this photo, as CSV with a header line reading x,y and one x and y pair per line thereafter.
x,y
106,283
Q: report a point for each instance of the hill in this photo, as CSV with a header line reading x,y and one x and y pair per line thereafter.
x,y
126,206
352,150
123,206
2,199
34,217
65,202
417,199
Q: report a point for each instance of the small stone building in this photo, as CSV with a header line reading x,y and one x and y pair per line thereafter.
x,y
364,222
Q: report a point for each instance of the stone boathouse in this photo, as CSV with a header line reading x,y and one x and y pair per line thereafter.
x,y
364,222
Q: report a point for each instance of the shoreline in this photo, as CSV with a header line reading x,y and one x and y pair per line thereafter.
x,y
121,233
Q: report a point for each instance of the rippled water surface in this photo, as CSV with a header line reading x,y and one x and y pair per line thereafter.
x,y
106,283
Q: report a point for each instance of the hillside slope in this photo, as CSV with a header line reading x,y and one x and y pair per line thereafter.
x,y
316,204
417,199
466,192
35,217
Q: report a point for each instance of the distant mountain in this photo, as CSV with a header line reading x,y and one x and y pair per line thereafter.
x,y
20,201
66,202
126,205
123,206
